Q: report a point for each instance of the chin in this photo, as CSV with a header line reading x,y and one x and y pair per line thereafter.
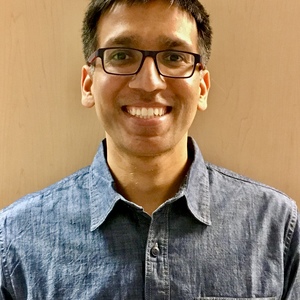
x,y
149,148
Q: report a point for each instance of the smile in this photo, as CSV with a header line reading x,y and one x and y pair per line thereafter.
x,y
147,112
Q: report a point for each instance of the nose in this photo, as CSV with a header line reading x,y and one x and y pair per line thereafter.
x,y
148,78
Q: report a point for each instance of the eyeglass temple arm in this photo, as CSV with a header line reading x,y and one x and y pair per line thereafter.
x,y
92,57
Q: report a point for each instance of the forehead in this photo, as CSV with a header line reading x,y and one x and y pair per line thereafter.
x,y
154,24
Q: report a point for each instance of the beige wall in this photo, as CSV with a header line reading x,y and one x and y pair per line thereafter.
x,y
252,125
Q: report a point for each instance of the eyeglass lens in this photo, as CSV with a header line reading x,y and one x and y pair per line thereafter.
x,y
128,61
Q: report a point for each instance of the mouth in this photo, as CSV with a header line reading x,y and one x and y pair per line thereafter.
x,y
147,112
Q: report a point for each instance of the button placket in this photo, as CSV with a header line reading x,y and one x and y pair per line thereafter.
x,y
157,285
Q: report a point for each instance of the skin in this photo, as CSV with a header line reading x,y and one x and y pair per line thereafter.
x,y
147,156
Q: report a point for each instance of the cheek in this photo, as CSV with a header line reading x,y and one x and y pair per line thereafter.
x,y
101,101
107,87
194,96
99,82
189,91
190,86
107,90
102,90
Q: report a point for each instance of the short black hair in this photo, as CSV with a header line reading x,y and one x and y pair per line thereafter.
x,y
96,8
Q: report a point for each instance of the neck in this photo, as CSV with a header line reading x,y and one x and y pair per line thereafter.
x,y
148,181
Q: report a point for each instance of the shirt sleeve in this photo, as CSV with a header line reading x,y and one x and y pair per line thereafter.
x,y
292,266
4,293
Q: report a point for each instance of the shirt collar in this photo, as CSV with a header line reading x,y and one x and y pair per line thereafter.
x,y
103,196
197,185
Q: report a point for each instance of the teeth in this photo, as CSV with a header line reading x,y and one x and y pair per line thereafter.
x,y
145,113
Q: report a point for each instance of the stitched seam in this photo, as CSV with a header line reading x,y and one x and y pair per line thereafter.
x,y
241,178
290,230
4,263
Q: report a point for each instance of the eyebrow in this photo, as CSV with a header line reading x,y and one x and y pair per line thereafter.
x,y
122,41
173,42
133,41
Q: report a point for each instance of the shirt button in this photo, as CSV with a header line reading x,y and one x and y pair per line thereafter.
x,y
155,250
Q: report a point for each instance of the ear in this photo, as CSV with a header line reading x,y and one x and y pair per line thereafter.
x,y
204,89
87,98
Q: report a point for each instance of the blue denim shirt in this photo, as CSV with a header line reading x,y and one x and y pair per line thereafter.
x,y
222,236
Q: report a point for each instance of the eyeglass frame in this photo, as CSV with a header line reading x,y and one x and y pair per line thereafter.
x,y
146,53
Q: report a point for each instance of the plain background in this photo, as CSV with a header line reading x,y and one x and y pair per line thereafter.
x,y
252,125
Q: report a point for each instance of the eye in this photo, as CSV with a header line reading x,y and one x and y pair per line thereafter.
x,y
173,56
119,55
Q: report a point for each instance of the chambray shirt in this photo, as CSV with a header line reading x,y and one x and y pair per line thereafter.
x,y
222,237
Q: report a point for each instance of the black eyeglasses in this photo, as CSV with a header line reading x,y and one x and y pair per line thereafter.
x,y
129,61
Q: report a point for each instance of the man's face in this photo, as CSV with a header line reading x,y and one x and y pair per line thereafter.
x,y
168,105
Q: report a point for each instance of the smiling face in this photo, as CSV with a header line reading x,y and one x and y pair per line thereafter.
x,y
145,114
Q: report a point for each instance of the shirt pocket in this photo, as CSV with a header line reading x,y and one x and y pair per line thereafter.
x,y
229,298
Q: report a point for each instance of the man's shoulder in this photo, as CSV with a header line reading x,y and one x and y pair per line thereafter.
x,y
244,188
49,197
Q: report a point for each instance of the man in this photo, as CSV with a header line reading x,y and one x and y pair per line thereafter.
x,y
149,219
